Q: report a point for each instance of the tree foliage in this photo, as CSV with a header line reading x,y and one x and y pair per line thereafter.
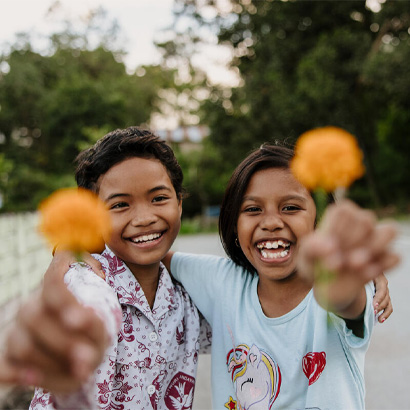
x,y
305,64
54,104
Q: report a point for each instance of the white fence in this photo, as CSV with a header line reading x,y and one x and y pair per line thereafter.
x,y
24,256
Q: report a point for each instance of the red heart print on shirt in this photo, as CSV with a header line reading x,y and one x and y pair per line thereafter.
x,y
313,364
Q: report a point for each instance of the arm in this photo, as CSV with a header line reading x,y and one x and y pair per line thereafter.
x,y
347,251
55,342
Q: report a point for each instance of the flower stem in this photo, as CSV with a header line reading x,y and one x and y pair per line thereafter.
x,y
320,197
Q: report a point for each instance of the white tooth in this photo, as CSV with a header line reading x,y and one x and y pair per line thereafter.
x,y
151,237
145,238
275,245
259,246
268,245
275,255
283,254
280,243
264,254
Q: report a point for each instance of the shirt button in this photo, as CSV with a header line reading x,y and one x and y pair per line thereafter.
x,y
151,389
153,337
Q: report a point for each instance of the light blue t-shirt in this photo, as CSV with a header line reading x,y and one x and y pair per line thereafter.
x,y
306,359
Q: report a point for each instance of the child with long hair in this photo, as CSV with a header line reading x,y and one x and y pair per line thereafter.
x,y
283,337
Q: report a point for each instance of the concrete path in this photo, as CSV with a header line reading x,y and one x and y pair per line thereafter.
x,y
387,370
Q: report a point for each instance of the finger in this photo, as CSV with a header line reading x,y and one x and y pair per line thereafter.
x,y
24,353
377,243
349,223
46,338
388,261
380,283
94,264
59,265
85,320
85,358
9,373
386,314
309,252
56,297
60,383
383,305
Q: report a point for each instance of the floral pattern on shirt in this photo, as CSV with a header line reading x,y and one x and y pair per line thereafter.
x,y
152,350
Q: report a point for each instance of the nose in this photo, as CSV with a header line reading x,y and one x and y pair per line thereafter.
x,y
143,216
272,221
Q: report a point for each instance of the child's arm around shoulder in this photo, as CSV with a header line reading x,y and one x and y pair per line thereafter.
x,y
348,250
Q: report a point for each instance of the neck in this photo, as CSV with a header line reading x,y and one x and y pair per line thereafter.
x,y
148,278
278,297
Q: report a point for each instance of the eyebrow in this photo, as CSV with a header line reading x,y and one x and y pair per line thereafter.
x,y
160,188
286,198
152,190
112,196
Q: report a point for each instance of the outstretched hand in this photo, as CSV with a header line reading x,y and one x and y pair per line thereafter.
x,y
55,342
349,249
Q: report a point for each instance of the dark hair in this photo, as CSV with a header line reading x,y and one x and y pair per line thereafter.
x,y
120,145
267,156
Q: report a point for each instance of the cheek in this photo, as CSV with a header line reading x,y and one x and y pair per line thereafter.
x,y
244,233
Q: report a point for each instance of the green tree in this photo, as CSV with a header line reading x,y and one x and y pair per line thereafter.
x,y
50,101
306,64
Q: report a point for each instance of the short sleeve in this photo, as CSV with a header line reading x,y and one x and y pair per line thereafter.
x,y
201,276
347,335
92,291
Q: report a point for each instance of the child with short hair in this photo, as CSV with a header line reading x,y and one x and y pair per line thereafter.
x,y
275,343
153,325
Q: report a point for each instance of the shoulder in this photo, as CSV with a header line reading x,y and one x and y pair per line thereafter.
x,y
182,259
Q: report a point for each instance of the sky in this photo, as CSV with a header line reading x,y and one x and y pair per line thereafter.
x,y
139,21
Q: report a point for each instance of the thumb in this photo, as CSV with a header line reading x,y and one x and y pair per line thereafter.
x,y
317,247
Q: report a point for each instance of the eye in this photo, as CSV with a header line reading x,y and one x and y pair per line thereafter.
x,y
119,205
252,209
291,208
248,380
160,198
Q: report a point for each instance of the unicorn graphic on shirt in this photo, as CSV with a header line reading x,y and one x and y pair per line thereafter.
x,y
256,377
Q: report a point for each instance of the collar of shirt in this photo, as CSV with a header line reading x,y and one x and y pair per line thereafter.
x,y
129,291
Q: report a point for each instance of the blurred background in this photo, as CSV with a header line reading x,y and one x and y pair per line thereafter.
x,y
214,78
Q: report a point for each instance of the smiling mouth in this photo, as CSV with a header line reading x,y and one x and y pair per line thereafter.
x,y
142,239
274,249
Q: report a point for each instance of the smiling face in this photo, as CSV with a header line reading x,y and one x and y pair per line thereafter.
x,y
276,212
145,212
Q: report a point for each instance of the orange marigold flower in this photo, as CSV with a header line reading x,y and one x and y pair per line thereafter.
x,y
75,220
327,158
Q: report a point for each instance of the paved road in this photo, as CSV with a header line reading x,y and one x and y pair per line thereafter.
x,y
387,370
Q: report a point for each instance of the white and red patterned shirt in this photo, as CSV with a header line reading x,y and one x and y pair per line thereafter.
x,y
152,361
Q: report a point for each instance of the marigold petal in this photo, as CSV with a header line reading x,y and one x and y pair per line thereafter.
x,y
75,220
328,158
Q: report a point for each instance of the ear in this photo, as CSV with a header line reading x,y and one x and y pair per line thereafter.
x,y
180,206
254,356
